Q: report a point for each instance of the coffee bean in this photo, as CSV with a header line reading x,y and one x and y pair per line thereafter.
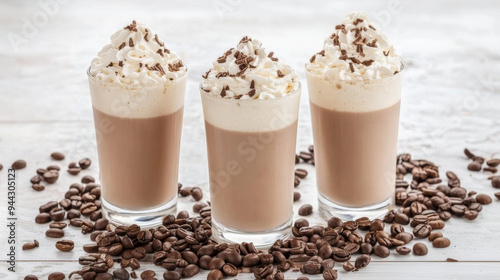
x,y
30,276
419,249
381,251
38,187
56,276
54,233
197,193
230,270
36,179
441,242
329,274
495,182
190,271
19,164
296,181
65,245
311,267
101,224
296,196
438,224
301,173
104,276
362,261
493,162
406,237
468,153
365,248
483,199
48,206
148,274
84,163
422,231
57,214
445,215
30,245
377,225
51,176
434,235
42,218
474,166
74,170
59,225
121,274
50,168
215,275
91,248
348,266
87,179
87,226
402,250
88,208
171,275
335,222
198,206
305,210
402,219
57,156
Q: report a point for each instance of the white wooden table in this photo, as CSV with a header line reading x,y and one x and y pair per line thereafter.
x,y
451,100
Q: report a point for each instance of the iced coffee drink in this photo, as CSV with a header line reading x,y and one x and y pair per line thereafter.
x,y
354,88
137,86
250,103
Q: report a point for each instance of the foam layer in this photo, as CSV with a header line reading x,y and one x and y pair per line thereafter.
x,y
136,55
354,96
250,72
356,51
251,115
138,101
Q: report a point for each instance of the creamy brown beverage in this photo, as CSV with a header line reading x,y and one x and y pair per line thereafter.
x,y
137,87
250,103
355,91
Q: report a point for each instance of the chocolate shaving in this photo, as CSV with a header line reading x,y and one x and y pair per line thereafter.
x,y
252,84
372,27
146,36
351,67
160,52
130,42
343,57
251,93
238,96
158,41
120,63
357,21
122,46
270,54
175,66
280,74
110,64
395,72
368,62
140,64
206,74
221,74
274,58
245,39
221,59
356,41
355,60
340,26
166,50
313,58
322,53
372,44
131,26
223,92
386,53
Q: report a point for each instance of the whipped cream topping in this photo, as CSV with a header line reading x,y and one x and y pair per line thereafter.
x,y
356,51
136,56
249,72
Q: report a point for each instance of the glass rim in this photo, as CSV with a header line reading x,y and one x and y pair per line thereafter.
x,y
292,93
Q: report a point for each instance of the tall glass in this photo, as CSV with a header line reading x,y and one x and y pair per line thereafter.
x,y
251,158
355,130
138,130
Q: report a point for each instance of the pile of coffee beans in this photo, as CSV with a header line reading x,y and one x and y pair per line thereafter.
x,y
182,245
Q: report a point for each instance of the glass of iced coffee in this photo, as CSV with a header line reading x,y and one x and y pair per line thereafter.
x,y
137,87
354,88
250,103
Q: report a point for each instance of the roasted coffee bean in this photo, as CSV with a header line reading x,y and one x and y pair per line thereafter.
x,y
493,162
490,169
296,196
171,275
38,187
420,249
230,270
365,248
305,210
74,170
495,182
197,193
56,276
65,245
101,224
59,225
348,266
402,250
483,199
147,274
190,271
29,276
497,195
30,245
441,242
54,233
402,219
182,215
311,267
422,231
381,251
121,274
474,166
458,192
468,153
36,179
51,176
377,225
335,222
57,214
19,164
104,276
279,276
444,215
76,222
87,226
84,163
88,208
48,206
91,248
329,274
57,156
351,225
87,179
215,275
198,206
434,235
42,218
458,210
185,191
296,181
301,173
362,261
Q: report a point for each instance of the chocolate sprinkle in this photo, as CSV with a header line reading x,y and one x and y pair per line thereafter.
x,y
251,93
120,63
122,46
206,74
223,92
351,66
130,42
280,74
252,84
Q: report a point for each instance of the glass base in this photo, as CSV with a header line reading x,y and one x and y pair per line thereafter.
x,y
330,209
145,219
260,240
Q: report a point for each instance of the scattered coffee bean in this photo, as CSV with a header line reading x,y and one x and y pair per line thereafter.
x,y
362,261
296,181
230,270
348,266
490,169
171,275
493,162
474,166
74,170
296,196
42,218
148,274
56,276
121,274
329,274
215,275
38,187
420,249
483,199
451,260
57,156
65,245
197,193
441,242
198,206
305,210
434,235
19,164
497,195
51,168
30,245
190,271
30,276
381,251
495,182
84,163
301,173
88,179
54,233
422,231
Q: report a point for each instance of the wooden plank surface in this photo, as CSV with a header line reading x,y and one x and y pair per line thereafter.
x,y
450,101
